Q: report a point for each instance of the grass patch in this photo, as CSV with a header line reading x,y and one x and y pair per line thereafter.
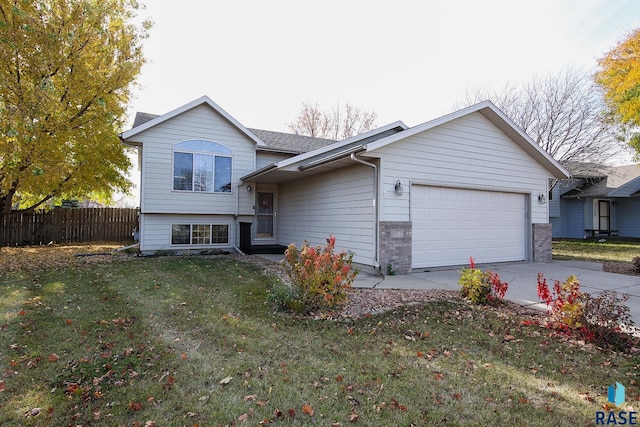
x,y
190,340
589,250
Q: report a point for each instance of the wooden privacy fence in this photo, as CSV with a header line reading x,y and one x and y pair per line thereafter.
x,y
67,225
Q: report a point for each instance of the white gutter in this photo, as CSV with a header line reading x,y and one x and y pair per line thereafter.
x,y
376,262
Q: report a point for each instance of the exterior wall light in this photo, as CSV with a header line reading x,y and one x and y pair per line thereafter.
x,y
248,189
542,199
398,188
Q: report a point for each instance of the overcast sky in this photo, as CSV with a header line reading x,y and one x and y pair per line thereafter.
x,y
405,60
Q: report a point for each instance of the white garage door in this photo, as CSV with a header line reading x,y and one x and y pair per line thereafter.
x,y
452,224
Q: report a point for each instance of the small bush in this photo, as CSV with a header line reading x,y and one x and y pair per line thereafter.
x,y
604,320
565,302
320,276
481,287
609,319
636,264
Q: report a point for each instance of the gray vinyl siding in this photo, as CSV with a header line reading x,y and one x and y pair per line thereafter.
x,y
157,231
338,203
469,152
264,159
157,173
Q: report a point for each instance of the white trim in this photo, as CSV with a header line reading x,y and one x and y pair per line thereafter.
x,y
199,245
204,100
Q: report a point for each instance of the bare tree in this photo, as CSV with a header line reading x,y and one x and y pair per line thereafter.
x,y
336,124
564,114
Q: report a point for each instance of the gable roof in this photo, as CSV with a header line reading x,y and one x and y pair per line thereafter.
x,y
331,156
501,121
338,154
271,141
612,181
154,120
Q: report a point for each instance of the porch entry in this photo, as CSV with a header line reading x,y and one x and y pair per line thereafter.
x,y
265,215
602,215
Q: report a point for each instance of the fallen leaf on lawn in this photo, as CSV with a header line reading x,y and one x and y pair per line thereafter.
x,y
135,406
2,386
419,354
586,397
292,413
53,357
353,417
509,337
150,424
307,409
397,405
243,417
183,356
439,375
250,398
339,378
457,396
68,321
22,313
226,380
523,400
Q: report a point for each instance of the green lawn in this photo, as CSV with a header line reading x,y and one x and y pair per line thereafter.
x,y
191,341
612,250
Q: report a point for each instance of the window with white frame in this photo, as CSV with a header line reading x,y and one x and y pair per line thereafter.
x,y
200,165
199,234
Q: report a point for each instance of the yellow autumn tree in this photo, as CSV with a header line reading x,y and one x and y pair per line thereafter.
x,y
619,76
66,72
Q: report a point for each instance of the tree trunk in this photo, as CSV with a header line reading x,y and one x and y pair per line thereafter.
x,y
6,201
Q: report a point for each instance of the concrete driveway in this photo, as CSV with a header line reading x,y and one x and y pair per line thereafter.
x,y
522,279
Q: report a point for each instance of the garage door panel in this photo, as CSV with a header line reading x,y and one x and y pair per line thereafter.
x,y
452,224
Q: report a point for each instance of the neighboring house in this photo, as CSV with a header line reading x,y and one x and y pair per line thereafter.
x,y
596,201
468,184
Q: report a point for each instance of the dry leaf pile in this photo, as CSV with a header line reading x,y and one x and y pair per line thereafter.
x,y
56,256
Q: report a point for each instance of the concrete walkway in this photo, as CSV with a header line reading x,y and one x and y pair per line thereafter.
x,y
522,279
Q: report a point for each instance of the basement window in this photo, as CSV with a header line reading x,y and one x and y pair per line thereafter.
x,y
199,234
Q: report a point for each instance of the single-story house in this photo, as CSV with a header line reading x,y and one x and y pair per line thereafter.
x,y
596,201
468,184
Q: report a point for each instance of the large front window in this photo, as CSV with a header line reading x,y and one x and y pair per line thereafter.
x,y
199,234
201,166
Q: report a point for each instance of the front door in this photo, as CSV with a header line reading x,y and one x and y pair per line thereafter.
x,y
265,215
604,215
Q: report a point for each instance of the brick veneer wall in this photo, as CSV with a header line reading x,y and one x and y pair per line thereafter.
x,y
541,242
395,246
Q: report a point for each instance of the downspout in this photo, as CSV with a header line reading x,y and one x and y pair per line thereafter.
x,y
376,262
235,219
